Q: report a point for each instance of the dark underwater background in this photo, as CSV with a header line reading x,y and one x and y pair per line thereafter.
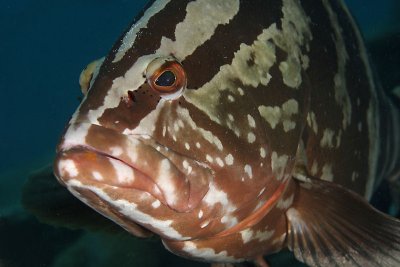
x,y
44,45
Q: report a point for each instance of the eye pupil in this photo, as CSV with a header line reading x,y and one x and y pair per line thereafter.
x,y
166,79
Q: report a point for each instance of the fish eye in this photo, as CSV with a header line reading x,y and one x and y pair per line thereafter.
x,y
167,77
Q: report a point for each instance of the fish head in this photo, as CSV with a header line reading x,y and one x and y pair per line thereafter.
x,y
174,132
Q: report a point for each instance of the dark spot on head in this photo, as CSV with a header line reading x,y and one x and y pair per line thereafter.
x,y
132,96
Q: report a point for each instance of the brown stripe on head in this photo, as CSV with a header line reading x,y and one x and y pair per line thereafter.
x,y
219,50
147,41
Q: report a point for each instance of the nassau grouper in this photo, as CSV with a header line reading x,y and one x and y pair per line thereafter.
x,y
234,129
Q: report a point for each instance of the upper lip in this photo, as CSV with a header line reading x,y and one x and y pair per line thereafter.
x,y
180,191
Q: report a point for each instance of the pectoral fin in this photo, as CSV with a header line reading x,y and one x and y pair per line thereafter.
x,y
329,225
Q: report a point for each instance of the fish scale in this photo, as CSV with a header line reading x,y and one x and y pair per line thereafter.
x,y
270,133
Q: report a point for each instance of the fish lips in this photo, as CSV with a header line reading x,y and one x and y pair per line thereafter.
x,y
134,162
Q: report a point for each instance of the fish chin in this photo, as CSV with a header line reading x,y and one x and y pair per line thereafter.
x,y
141,166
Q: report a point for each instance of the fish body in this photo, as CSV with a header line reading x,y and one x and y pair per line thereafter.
x,y
233,129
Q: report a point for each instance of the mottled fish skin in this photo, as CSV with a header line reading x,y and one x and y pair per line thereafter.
x,y
275,89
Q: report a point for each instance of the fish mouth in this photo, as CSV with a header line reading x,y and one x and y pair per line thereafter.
x,y
134,162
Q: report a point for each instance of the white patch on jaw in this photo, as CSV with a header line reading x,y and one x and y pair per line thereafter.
x,y
130,36
208,254
327,174
124,172
275,115
129,209
187,146
156,204
202,18
249,171
198,145
67,166
97,176
278,165
327,138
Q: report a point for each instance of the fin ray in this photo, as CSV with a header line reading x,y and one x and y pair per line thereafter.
x,y
329,225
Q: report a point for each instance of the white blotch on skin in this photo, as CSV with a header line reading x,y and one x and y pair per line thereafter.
x,y
198,145
187,146
285,203
327,138
156,204
230,117
209,158
231,98
251,138
208,254
166,181
124,172
252,122
220,162
275,115
263,153
229,160
200,214
202,18
97,176
278,165
185,164
249,235
327,174
312,122
248,170
314,168
205,224
131,35
116,151
241,92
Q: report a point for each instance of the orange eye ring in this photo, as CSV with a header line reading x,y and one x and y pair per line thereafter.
x,y
167,77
